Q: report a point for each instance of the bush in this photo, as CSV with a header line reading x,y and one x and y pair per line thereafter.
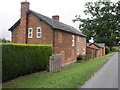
x,y
115,49
107,50
79,57
21,59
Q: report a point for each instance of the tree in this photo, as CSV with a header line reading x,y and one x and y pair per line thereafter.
x,y
3,40
102,23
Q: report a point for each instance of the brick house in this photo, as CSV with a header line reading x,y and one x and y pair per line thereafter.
x,y
100,48
34,28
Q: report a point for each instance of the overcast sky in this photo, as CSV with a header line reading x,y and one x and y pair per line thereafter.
x,y
66,9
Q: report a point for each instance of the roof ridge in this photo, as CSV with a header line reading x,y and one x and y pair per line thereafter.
x,y
55,22
57,25
53,19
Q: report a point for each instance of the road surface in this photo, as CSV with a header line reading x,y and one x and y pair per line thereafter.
x,y
106,77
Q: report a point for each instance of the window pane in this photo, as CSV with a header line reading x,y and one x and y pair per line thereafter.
x,y
38,34
30,30
72,37
39,30
30,35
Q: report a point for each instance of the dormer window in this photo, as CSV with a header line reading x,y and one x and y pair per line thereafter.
x,y
39,32
30,32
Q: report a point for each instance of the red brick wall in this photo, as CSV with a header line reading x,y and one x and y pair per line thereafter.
x,y
46,35
34,22
81,45
103,49
15,34
100,52
92,51
89,50
63,45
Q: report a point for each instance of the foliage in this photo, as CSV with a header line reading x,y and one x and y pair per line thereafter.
x,y
102,22
110,54
107,50
3,40
115,48
71,77
79,57
21,59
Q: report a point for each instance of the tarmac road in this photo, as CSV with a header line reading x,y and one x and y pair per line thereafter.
x,y
106,77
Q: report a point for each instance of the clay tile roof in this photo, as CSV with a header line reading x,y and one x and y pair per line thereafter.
x,y
54,24
100,45
92,47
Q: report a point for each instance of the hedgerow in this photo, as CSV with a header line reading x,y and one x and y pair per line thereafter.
x,y
21,59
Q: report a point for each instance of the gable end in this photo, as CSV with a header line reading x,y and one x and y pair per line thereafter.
x,y
14,26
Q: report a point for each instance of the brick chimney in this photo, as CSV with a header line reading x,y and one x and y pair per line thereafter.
x,y
23,22
55,17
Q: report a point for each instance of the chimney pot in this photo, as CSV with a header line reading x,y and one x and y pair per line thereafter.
x,y
55,17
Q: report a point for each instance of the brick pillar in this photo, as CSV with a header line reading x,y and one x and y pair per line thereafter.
x,y
23,23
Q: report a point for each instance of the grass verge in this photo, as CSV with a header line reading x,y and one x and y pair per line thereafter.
x,y
71,77
110,54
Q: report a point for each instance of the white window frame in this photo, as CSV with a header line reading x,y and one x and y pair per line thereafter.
x,y
78,39
30,32
38,32
73,40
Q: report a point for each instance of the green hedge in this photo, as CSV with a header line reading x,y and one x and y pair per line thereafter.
x,y
107,50
21,59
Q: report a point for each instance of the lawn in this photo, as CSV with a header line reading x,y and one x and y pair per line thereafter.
x,y
71,77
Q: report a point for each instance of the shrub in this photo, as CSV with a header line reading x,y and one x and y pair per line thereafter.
x,y
21,59
107,50
115,49
79,57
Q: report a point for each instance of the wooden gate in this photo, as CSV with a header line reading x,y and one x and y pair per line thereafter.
x,y
55,63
